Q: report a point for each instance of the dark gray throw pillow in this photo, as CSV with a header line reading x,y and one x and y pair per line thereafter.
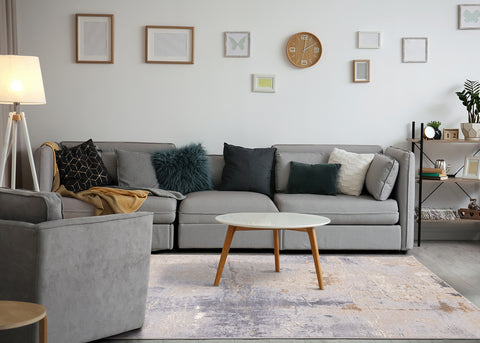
x,y
248,169
135,169
183,170
313,178
381,176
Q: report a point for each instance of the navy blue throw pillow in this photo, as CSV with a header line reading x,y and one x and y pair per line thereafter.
x,y
313,178
183,170
248,169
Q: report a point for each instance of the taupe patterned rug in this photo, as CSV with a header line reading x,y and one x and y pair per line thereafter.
x,y
365,296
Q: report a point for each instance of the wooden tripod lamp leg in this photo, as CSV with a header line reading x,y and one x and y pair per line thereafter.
x,y
3,161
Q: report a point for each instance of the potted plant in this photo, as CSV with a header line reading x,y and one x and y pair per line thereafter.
x,y
470,98
436,124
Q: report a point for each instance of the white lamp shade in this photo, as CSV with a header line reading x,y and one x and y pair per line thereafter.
x,y
21,80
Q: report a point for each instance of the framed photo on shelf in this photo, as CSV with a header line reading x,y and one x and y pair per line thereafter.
x,y
361,70
450,134
469,17
415,50
368,40
94,38
263,83
169,44
237,44
471,169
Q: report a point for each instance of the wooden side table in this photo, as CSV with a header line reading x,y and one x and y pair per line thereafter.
x,y
15,314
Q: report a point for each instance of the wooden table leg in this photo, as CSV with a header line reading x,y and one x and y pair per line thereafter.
x,y
276,243
316,256
43,330
225,250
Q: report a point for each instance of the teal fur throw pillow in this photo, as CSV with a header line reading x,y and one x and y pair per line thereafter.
x,y
183,170
313,178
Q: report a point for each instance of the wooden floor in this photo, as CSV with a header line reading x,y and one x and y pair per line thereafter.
x,y
458,263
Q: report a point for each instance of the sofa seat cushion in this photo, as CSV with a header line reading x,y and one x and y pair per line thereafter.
x,y
163,208
341,209
203,207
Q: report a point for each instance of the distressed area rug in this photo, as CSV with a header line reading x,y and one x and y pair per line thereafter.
x,y
365,296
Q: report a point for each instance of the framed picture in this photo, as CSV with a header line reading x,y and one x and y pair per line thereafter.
x,y
361,70
450,134
237,44
169,44
368,40
263,83
471,168
414,50
94,35
469,17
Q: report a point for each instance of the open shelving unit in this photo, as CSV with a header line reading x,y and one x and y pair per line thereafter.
x,y
419,144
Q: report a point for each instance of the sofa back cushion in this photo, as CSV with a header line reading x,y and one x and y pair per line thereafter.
x,y
311,154
29,206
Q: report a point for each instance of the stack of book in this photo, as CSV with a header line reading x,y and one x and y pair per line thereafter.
x,y
433,174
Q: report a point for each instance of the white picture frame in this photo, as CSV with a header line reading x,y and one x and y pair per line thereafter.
x,y
469,17
369,40
236,44
471,168
361,71
169,44
264,83
94,38
415,50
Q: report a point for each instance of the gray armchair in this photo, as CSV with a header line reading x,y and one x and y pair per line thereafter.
x,y
91,274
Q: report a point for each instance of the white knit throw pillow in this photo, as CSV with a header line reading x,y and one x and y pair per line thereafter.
x,y
351,176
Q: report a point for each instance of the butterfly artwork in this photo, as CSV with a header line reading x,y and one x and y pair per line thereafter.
x,y
468,17
237,44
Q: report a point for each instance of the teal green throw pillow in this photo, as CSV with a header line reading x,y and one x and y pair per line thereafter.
x,y
313,178
183,170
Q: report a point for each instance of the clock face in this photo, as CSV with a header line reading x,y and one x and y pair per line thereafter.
x,y
304,49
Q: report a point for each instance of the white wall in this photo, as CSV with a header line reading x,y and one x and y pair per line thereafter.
x,y
211,101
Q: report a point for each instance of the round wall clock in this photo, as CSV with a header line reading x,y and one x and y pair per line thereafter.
x,y
304,49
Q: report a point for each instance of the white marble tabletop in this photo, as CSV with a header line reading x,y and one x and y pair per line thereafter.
x,y
274,220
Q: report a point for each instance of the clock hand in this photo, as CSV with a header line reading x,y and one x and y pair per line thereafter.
x,y
305,49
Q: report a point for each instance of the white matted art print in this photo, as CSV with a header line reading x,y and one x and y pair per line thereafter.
x,y
169,44
415,50
469,17
94,38
368,40
263,83
237,44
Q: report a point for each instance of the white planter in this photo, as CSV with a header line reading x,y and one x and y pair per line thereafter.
x,y
471,131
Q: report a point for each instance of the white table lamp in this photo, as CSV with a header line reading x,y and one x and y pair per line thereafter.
x,y
20,83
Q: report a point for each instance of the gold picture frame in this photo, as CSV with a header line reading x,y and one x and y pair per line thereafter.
x,y
450,134
361,71
94,38
169,44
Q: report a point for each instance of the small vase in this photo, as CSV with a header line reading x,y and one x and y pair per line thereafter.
x,y
438,134
471,131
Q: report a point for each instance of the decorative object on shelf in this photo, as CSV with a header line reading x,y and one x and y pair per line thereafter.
x,y
473,205
21,83
415,50
442,214
94,34
437,173
471,168
450,134
237,44
441,164
169,44
436,124
361,70
304,49
470,98
368,40
263,83
466,213
469,17
428,132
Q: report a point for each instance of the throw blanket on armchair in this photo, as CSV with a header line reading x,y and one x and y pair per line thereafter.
x,y
106,200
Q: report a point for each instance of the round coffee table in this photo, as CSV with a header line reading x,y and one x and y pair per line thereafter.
x,y
271,221
15,314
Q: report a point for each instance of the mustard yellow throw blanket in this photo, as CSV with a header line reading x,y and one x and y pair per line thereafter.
x,y
106,200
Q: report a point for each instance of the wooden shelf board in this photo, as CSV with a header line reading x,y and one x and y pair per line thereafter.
x,y
451,180
456,221
455,141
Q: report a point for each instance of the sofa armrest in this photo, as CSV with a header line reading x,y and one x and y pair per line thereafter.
x,y
404,193
44,160
91,270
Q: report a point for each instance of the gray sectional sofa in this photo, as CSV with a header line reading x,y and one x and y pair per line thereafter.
x,y
357,222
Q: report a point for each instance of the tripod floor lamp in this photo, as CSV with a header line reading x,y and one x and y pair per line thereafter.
x,y
20,83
